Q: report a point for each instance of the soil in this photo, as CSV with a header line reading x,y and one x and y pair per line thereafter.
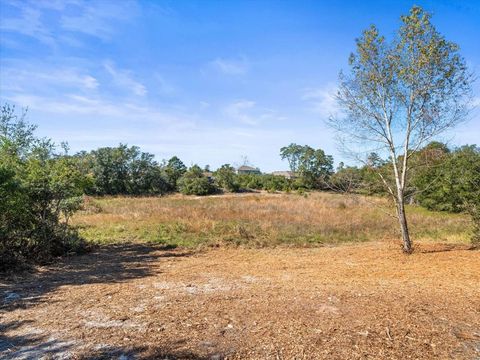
x,y
366,301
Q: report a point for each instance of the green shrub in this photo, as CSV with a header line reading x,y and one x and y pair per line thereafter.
x,y
193,182
226,178
39,191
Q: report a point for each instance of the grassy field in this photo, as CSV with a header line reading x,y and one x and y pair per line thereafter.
x,y
127,299
258,220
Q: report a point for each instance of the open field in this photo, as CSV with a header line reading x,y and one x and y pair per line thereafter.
x,y
258,220
361,301
254,276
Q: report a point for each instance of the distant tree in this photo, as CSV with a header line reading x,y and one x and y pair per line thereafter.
x,y
226,178
315,167
399,95
292,153
123,170
193,182
312,166
174,169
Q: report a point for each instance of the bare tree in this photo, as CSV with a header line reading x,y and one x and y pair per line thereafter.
x,y
398,95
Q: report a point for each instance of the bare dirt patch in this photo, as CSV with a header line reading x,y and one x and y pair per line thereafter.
x,y
347,302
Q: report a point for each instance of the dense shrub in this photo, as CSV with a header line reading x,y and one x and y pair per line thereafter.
x,y
39,191
225,178
266,182
123,170
194,182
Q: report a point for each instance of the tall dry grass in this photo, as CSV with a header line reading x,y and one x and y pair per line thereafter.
x,y
257,220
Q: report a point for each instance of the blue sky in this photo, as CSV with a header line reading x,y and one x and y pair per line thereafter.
x,y
209,81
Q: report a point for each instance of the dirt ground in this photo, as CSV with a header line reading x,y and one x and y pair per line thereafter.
x,y
366,301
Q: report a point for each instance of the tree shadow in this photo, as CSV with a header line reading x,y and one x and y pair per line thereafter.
x,y
39,346
168,352
107,264
33,345
441,247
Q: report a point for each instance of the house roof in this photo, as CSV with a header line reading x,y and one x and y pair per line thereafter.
x,y
282,172
246,168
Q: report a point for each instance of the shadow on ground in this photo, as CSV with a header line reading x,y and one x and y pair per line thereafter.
x,y
107,264
39,346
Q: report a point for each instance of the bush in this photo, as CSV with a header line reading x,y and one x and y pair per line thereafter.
x,y
39,192
226,178
193,182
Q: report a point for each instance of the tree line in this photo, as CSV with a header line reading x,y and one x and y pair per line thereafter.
x,y
396,97
42,185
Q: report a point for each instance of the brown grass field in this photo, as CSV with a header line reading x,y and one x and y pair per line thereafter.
x,y
258,220
254,276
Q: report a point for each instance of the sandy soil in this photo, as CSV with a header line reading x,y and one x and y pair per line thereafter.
x,y
365,301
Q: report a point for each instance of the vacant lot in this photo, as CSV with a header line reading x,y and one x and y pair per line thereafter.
x,y
358,299
257,220
346,302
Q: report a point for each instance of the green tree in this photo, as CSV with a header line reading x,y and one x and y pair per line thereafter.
x,y
398,95
193,182
123,170
312,166
39,190
292,153
315,167
174,170
226,178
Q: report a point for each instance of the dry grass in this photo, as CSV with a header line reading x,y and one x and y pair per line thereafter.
x,y
257,220
142,301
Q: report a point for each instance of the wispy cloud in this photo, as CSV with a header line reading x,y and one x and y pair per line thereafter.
x,y
125,79
99,19
241,111
75,105
322,100
247,112
28,22
231,66
54,22
24,77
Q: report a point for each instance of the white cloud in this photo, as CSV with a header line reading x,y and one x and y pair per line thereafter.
x,y
322,100
74,105
231,66
124,79
53,22
28,22
99,19
246,112
240,110
26,77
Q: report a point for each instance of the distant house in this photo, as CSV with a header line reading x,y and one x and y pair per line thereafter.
x,y
285,174
208,175
248,170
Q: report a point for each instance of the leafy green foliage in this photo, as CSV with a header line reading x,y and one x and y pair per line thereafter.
x,y
226,178
174,170
122,170
312,166
39,191
452,184
193,182
266,182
